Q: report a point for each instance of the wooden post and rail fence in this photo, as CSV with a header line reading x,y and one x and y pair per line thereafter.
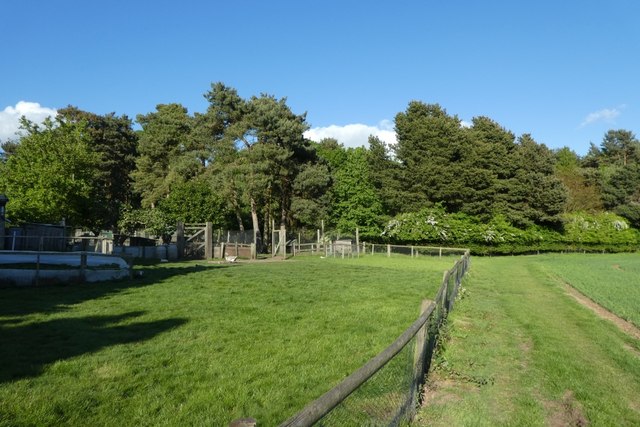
x,y
424,329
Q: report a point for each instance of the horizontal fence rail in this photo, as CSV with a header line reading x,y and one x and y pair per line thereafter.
x,y
344,249
393,397
320,407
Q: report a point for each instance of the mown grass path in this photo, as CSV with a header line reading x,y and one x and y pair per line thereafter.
x,y
520,351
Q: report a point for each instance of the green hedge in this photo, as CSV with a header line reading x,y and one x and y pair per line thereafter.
x,y
580,232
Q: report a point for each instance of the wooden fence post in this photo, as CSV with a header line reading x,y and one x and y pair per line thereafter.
x,y
180,239
420,353
208,241
421,335
443,300
358,242
283,241
388,251
324,241
273,238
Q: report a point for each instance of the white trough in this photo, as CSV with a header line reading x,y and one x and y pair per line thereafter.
x,y
49,268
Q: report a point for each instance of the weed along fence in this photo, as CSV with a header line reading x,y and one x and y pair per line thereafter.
x,y
386,390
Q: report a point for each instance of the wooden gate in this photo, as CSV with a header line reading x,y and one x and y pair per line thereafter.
x,y
198,240
279,242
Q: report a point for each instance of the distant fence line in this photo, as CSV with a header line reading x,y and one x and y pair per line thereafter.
x,y
386,390
49,243
346,249
203,241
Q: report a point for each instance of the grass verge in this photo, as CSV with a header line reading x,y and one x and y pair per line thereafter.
x,y
611,280
522,352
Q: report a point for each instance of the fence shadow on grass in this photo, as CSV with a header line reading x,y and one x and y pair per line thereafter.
x,y
27,349
57,298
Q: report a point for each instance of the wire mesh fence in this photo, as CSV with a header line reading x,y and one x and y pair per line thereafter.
x,y
58,243
233,236
386,390
345,248
390,396
381,400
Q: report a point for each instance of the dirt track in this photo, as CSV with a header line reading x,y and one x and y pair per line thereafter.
x,y
627,327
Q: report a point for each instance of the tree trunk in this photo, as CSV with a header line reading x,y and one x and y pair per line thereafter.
x,y
284,204
266,225
236,208
239,218
256,225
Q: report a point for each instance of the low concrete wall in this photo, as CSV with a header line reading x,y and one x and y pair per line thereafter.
x,y
62,258
59,268
21,277
169,252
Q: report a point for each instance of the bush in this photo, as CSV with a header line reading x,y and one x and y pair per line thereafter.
x,y
582,232
155,221
601,229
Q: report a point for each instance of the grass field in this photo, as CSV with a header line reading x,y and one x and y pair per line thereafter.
x,y
611,280
192,345
521,352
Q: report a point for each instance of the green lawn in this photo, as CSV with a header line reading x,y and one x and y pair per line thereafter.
x,y
521,352
191,345
611,280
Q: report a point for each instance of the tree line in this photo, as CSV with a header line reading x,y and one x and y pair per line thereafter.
x,y
245,164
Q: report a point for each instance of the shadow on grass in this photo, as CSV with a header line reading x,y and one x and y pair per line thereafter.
x,y
27,349
57,298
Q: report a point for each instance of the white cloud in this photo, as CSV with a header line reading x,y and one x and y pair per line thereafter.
x,y
354,135
606,115
10,117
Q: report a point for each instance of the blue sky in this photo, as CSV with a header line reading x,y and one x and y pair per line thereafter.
x,y
564,71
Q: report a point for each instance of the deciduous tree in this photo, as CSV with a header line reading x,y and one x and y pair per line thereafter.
x,y
51,175
356,203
